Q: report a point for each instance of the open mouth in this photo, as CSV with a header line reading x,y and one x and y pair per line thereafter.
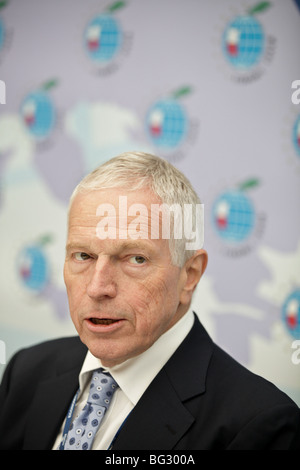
x,y
102,321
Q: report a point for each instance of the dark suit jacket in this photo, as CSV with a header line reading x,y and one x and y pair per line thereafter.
x,y
201,399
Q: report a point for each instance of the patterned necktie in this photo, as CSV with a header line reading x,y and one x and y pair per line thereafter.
x,y
84,427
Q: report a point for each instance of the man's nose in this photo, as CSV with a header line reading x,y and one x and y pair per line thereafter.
x,y
103,281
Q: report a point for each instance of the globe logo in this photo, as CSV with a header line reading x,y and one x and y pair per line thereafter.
x,y
38,114
291,313
166,123
243,42
233,216
2,34
296,135
33,268
102,38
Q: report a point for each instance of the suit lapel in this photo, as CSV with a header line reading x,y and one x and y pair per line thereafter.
x,y
52,399
160,418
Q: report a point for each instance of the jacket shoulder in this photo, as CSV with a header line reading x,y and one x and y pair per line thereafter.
x,y
44,358
29,371
236,407
50,347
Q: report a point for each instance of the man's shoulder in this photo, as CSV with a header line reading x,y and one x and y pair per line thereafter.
x,y
229,381
47,357
54,344
52,347
243,387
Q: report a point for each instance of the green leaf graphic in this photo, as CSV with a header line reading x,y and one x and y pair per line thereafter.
x,y
181,92
248,184
49,84
259,8
3,3
45,239
116,6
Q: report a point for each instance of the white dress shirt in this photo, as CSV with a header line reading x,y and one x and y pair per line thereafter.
x,y
133,377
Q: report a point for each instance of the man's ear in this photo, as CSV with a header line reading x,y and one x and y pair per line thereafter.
x,y
192,273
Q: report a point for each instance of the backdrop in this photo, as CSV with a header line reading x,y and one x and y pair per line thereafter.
x,y
204,84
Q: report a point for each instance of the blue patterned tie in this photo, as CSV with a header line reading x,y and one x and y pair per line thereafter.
x,y
84,428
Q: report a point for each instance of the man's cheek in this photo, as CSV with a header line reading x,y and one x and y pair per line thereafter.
x,y
150,296
158,290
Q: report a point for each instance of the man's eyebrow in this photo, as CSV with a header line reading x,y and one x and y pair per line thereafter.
x,y
128,245
121,246
78,246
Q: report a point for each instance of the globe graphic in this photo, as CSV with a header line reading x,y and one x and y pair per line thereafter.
x,y
291,313
38,114
33,268
296,135
233,216
102,38
243,42
2,34
166,123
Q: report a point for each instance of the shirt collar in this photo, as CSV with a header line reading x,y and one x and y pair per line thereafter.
x,y
135,375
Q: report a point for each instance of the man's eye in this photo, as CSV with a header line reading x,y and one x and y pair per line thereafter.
x,y
81,256
137,259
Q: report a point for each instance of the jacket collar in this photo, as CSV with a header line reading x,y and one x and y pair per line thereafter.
x,y
187,368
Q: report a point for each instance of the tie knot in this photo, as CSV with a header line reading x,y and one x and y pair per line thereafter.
x,y
102,388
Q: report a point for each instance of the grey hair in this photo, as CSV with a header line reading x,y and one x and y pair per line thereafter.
x,y
139,170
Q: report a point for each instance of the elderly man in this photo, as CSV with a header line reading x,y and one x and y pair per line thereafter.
x,y
143,373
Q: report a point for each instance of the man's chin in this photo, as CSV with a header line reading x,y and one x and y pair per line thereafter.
x,y
107,350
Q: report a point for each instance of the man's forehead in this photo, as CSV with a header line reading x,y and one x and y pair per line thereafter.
x,y
113,204
111,214
116,214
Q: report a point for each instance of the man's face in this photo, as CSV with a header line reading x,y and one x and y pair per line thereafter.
x,y
123,293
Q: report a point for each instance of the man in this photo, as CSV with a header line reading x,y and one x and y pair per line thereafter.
x,y
130,282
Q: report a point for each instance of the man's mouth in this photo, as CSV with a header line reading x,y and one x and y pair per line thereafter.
x,y
103,325
102,321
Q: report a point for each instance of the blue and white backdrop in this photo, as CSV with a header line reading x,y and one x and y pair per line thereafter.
x,y
205,84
